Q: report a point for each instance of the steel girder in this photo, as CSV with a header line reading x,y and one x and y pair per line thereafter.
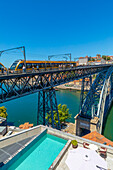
x,y
90,106
47,104
86,85
15,86
99,97
105,97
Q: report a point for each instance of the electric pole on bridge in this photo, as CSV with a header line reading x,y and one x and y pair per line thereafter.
x,y
22,48
65,55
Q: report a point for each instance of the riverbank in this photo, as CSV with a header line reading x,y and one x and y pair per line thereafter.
x,y
64,87
68,87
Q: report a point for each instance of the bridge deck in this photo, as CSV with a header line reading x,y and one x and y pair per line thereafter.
x,y
14,75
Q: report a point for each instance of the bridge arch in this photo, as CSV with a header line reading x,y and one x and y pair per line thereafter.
x,y
99,98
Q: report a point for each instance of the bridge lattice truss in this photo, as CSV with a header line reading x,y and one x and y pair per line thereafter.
x,y
18,85
15,86
98,99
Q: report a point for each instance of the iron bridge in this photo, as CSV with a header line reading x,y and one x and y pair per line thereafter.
x,y
98,100
18,85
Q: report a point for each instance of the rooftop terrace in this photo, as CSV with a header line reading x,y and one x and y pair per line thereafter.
x,y
22,139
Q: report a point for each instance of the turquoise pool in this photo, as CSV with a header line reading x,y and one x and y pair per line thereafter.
x,y
41,155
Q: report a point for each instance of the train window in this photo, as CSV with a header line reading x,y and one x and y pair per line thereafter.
x,y
13,66
20,65
42,65
34,65
1,66
28,65
48,65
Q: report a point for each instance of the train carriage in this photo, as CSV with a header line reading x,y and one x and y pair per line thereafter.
x,y
3,69
17,66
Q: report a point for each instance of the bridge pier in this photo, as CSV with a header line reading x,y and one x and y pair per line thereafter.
x,y
86,86
84,125
47,108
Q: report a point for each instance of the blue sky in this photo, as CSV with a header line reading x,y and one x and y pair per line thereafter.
x,y
46,27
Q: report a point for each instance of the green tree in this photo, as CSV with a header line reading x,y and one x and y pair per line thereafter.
x,y
91,59
108,58
3,112
104,57
63,114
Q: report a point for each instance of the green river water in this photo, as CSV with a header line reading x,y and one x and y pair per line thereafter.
x,y
24,109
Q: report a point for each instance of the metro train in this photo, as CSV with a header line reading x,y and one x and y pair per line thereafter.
x,y
17,66
2,68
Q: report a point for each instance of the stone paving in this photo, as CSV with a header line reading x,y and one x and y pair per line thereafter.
x,y
62,165
70,128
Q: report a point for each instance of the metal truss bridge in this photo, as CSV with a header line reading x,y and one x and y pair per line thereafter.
x,y
97,102
18,85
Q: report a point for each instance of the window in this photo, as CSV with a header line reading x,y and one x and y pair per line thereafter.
x,y
1,66
28,65
34,65
13,66
20,65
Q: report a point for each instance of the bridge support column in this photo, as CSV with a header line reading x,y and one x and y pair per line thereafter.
x,y
47,107
86,86
111,87
84,126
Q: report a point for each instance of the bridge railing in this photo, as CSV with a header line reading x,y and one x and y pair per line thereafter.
x,y
10,72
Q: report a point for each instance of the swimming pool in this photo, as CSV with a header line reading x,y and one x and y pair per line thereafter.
x,y
41,155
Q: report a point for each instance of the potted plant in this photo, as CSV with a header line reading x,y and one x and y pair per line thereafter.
x,y
74,143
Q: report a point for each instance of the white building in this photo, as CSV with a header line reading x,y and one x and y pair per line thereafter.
x,y
83,60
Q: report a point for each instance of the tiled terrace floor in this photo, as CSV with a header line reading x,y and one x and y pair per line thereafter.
x,y
63,166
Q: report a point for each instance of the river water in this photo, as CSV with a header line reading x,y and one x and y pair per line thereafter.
x,y
24,109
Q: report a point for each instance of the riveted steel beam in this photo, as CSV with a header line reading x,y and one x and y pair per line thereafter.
x,y
18,85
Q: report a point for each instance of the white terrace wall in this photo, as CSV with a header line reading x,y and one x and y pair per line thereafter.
x,y
21,135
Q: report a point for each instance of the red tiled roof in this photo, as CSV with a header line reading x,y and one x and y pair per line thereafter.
x,y
26,126
98,61
95,136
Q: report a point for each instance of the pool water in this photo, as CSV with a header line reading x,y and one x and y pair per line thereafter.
x,y
41,155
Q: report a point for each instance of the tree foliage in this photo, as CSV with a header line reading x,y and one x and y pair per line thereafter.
x,y
91,59
105,57
3,112
63,114
108,58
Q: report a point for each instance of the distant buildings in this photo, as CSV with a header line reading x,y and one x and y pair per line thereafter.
x,y
97,62
83,60
94,60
